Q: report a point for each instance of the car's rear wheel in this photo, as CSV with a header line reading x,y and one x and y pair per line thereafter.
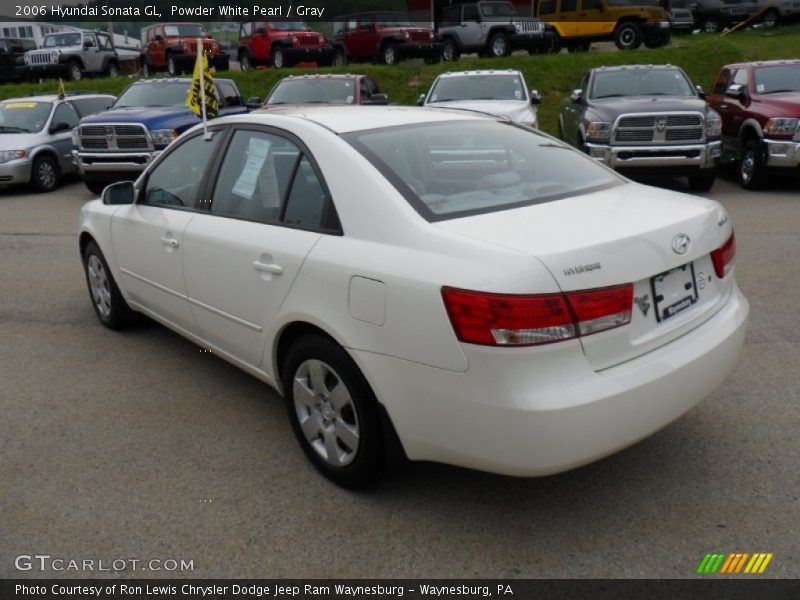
x,y
333,411
44,173
112,70
339,58
96,187
498,45
172,66
75,71
278,58
244,61
628,36
107,300
702,183
450,51
389,54
751,166
771,18
710,25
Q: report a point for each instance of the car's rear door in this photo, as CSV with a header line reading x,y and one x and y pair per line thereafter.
x,y
266,211
148,236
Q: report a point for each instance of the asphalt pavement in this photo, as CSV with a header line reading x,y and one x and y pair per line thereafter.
x,y
139,445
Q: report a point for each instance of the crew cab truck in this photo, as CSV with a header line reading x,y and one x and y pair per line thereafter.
x,y
281,44
760,107
71,54
385,37
118,144
173,46
713,15
644,121
629,23
490,29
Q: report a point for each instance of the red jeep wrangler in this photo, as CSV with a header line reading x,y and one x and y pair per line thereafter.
x,y
385,37
281,44
174,46
760,107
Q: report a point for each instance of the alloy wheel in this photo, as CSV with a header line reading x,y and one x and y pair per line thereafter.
x,y
244,62
499,46
388,55
277,59
748,166
75,72
98,282
449,51
46,175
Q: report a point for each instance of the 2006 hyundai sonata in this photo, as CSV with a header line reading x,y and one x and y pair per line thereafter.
x,y
472,289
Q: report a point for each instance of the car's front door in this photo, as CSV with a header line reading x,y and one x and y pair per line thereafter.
x,y
92,57
243,254
472,28
147,236
62,140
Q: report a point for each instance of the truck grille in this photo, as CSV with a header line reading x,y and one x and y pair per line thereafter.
x,y
419,36
307,39
40,58
658,129
114,137
529,26
193,47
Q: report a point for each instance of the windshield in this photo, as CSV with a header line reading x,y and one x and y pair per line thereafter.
x,y
641,82
773,80
183,30
497,9
393,20
477,87
23,117
288,26
452,169
62,39
154,94
315,91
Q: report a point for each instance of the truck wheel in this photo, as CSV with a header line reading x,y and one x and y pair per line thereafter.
x,y
389,54
450,51
222,63
751,166
44,174
771,18
710,25
555,45
702,183
96,187
172,66
339,58
112,70
75,72
278,58
146,69
107,301
628,36
498,45
244,62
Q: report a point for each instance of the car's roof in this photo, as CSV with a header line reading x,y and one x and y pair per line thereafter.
x,y
346,119
54,97
481,72
618,68
172,80
322,76
763,63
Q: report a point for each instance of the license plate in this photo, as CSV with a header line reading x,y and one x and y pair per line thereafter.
x,y
674,291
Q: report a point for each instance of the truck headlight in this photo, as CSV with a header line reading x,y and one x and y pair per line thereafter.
x,y
76,137
598,131
713,124
54,55
663,24
7,155
406,35
518,27
781,127
27,59
162,137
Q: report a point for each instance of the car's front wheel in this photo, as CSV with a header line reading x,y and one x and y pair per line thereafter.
x,y
339,58
498,45
702,183
44,174
75,71
172,66
107,300
244,62
112,70
333,411
628,36
751,166
450,51
389,54
278,58
711,26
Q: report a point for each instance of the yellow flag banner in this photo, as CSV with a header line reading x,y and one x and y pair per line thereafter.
x,y
202,81
62,92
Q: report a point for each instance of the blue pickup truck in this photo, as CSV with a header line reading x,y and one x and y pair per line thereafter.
x,y
118,144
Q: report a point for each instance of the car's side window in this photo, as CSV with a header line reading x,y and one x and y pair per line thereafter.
x,y
591,4
547,7
721,84
471,13
65,113
176,180
740,78
569,5
306,201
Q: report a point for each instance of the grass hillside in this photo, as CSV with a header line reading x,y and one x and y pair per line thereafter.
x,y
554,76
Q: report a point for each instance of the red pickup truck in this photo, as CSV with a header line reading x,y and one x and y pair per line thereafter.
x,y
760,107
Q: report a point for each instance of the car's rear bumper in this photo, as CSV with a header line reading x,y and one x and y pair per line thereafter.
x,y
15,171
689,156
538,411
782,154
111,166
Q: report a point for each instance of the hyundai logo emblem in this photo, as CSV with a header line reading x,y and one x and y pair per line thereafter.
x,y
681,243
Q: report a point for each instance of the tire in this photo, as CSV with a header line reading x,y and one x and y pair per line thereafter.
x,y
109,305
96,187
750,168
172,66
112,70
498,45
628,36
702,183
339,58
244,62
333,411
450,51
556,44
771,18
278,58
711,26
75,71
45,174
146,69
389,54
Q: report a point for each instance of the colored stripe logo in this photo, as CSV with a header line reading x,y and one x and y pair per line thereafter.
x,y
734,563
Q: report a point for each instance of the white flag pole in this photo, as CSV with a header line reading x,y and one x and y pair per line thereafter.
x,y
201,63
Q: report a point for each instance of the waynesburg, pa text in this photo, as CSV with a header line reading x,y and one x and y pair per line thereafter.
x,y
175,11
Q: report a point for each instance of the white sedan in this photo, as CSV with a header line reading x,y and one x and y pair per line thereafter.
x,y
448,284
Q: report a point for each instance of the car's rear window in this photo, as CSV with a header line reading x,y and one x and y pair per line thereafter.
x,y
454,169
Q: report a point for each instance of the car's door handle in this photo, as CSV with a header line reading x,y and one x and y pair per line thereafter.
x,y
268,268
171,242
723,106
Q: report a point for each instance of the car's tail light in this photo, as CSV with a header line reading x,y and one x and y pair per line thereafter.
x,y
521,320
723,257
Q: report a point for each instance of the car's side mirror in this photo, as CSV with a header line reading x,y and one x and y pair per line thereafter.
x,y
536,97
377,99
118,193
253,103
736,91
421,100
576,97
59,127
700,92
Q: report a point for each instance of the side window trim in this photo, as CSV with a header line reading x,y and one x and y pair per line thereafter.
x,y
330,224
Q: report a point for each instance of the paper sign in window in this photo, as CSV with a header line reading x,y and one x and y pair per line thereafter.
x,y
258,172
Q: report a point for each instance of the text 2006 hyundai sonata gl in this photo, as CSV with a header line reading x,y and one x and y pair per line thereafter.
x,y
496,299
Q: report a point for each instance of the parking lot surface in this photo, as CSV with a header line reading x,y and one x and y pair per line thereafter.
x,y
139,445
